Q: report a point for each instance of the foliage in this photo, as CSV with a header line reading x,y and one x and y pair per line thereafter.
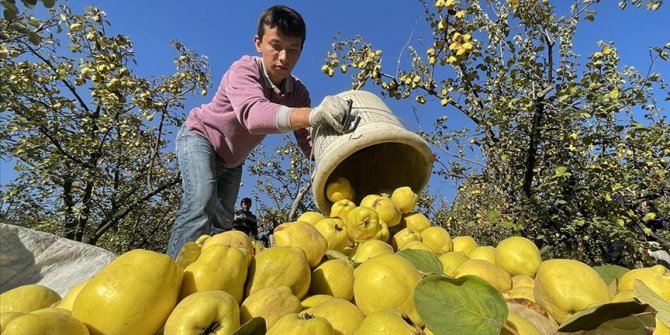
x,y
572,145
282,177
88,135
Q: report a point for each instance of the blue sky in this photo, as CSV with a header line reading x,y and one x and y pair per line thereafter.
x,y
224,30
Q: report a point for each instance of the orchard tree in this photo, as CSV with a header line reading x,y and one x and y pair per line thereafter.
x,y
87,134
573,147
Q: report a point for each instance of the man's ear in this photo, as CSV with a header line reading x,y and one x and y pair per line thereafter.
x,y
257,43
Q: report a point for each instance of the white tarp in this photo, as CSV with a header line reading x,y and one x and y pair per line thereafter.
x,y
32,257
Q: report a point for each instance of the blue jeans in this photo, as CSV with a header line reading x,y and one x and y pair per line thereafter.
x,y
209,191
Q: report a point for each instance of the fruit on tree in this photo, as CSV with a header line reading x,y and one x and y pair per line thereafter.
x,y
271,304
134,294
210,312
566,286
334,277
28,298
518,255
304,236
219,267
279,266
301,324
378,276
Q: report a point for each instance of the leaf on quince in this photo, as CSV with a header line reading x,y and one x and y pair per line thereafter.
x,y
188,254
648,296
465,305
255,326
425,261
544,324
610,272
639,324
594,317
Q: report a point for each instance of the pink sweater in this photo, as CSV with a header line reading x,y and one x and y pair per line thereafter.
x,y
244,110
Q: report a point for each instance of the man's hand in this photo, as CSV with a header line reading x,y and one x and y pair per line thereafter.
x,y
331,112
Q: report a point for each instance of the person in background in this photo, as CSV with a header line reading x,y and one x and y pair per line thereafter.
x,y
245,220
257,96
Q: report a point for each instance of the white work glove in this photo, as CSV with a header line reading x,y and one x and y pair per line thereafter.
x,y
330,112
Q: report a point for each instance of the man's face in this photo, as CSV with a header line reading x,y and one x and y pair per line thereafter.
x,y
245,206
280,53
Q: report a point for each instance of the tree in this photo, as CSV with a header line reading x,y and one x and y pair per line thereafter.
x,y
571,145
87,134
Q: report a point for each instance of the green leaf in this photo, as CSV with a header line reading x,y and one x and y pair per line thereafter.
x,y
613,94
49,3
610,272
560,171
649,297
466,305
34,38
10,11
424,261
594,317
255,326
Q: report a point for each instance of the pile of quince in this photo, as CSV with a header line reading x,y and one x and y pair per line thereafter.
x,y
355,271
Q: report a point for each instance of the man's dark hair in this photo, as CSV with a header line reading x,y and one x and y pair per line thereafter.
x,y
287,20
246,201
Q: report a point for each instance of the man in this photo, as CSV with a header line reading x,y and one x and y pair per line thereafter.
x,y
257,96
245,220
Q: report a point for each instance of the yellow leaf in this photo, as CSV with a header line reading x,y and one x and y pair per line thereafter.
x,y
613,94
649,216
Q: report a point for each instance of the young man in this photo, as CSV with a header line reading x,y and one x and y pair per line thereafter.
x,y
245,220
257,96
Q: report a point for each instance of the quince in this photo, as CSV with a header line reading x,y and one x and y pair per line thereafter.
x,y
341,208
219,267
334,277
310,217
339,189
484,252
304,236
566,286
521,292
368,200
71,295
28,298
404,198
231,238
271,304
134,294
380,276
212,312
314,300
522,280
416,221
279,266
451,260
386,321
417,245
518,255
362,223
657,277
491,273
335,232
438,239
301,324
344,316
464,243
387,210
520,325
383,234
369,249
52,321
403,237
624,295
